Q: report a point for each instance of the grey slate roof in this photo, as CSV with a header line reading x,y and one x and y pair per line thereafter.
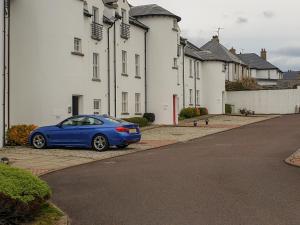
x,y
220,53
256,62
193,51
291,75
135,22
151,10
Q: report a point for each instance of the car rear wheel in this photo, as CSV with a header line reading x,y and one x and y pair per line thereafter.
x,y
100,143
122,146
39,141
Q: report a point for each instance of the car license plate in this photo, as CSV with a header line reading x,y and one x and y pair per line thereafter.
x,y
132,131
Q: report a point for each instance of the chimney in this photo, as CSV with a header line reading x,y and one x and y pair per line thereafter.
x,y
263,54
216,38
233,51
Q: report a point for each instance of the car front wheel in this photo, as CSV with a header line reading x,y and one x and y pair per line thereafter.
x,y
100,143
39,141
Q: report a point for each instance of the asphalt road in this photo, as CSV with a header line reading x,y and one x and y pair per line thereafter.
x,y
232,178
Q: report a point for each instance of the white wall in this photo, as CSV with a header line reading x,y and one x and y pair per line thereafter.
x,y
213,86
162,78
265,101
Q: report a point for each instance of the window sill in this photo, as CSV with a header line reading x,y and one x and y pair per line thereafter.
x,y
124,74
192,105
175,29
138,114
137,77
96,80
125,114
77,53
175,68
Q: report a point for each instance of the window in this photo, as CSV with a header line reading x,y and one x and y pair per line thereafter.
x,y
191,96
137,103
224,67
95,66
235,68
191,68
178,50
77,45
198,97
269,74
137,66
124,15
95,15
175,24
175,63
124,102
124,62
198,70
97,106
81,121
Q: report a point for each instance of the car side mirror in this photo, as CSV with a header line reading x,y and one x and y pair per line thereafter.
x,y
59,125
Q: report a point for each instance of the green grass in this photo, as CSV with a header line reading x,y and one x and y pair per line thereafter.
x,y
49,215
22,185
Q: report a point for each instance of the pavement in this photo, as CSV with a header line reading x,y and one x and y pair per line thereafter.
x,y
294,159
231,178
41,162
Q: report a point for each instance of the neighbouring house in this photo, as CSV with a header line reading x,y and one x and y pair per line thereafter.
x,y
291,79
233,66
265,73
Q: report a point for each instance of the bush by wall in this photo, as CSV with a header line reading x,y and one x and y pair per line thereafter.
x,y
18,135
228,109
21,195
142,122
190,112
243,85
203,111
150,117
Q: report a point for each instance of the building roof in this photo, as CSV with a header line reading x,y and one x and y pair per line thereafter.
x,y
256,62
135,22
291,75
219,52
151,10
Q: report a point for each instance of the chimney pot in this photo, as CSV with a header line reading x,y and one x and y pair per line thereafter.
x,y
233,50
216,38
263,54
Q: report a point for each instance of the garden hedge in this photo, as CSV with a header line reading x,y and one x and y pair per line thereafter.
x,y
142,122
18,135
21,195
150,117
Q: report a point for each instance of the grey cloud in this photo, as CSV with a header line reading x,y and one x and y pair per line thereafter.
x,y
292,51
268,14
241,20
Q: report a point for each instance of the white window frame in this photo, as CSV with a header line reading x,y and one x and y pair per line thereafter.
x,y
97,107
175,63
96,65
224,67
124,62
198,97
77,45
137,103
95,13
137,65
191,68
191,96
124,102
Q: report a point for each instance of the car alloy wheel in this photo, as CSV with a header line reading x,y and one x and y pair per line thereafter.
x,y
39,141
100,143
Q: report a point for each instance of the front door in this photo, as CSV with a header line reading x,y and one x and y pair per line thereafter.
x,y
75,105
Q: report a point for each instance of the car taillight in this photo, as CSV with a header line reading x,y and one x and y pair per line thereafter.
x,y
122,130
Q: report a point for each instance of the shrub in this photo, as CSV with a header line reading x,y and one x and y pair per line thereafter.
x,y
150,117
21,195
203,111
18,135
243,85
188,113
142,122
228,109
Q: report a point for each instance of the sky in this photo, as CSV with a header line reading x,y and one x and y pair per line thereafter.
x,y
247,25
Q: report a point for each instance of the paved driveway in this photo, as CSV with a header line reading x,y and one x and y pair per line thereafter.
x,y
233,178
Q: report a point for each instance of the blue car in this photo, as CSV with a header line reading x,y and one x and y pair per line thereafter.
x,y
88,131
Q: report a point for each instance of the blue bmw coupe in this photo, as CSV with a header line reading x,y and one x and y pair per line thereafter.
x,y
88,131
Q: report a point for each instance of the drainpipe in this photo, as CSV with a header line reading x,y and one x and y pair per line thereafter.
x,y
183,76
4,71
108,65
146,93
115,71
195,81
8,65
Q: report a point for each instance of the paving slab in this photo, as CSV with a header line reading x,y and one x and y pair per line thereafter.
x,y
41,162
